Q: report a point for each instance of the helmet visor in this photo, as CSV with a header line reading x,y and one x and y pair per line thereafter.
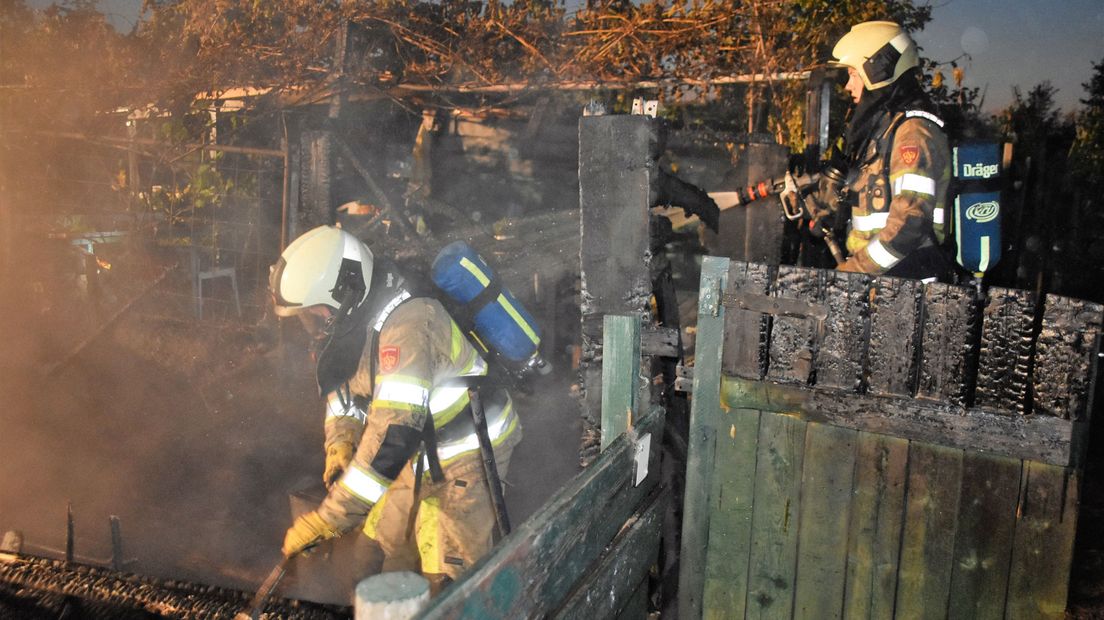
x,y
282,307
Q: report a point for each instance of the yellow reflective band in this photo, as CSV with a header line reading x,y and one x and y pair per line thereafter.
x,y
498,431
984,263
517,319
446,402
457,342
428,535
367,486
914,183
880,255
390,404
938,216
867,223
401,392
475,271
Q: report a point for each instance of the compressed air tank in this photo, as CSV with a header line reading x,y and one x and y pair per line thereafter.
x,y
500,322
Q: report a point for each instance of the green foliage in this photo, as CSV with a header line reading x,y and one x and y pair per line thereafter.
x,y
1087,154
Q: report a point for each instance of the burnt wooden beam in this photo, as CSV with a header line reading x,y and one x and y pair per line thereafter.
x,y
618,157
1066,356
794,339
841,356
1041,438
948,343
894,328
746,330
1007,343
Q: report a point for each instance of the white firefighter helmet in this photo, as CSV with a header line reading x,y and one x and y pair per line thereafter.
x,y
880,51
324,266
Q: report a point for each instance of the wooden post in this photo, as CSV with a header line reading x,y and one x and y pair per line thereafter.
x,y
620,369
705,414
617,169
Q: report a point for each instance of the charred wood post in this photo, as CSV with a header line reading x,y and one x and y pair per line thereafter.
x,y
618,157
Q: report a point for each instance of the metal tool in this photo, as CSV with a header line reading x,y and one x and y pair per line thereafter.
x,y
256,606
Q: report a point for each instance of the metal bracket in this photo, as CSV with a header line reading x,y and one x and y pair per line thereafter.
x,y
642,449
646,108
684,378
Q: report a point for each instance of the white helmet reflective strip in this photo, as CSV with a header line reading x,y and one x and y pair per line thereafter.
x,y
365,485
881,255
900,42
909,182
389,308
334,409
926,115
399,389
867,223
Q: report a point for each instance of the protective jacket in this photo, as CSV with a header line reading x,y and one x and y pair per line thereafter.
x,y
415,369
899,182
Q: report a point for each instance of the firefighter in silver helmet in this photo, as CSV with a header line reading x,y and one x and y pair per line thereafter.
x,y
403,355
896,155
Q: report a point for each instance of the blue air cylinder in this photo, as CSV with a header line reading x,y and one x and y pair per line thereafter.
x,y
977,208
500,322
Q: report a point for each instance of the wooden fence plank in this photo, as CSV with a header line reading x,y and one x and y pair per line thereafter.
x,y
775,517
610,586
927,544
894,326
745,350
531,571
876,522
1042,552
705,412
731,502
620,374
1004,361
983,545
948,343
839,362
793,340
1065,359
827,477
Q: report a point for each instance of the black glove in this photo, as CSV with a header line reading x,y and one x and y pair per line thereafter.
x,y
831,189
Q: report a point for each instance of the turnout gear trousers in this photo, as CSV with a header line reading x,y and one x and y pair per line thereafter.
x,y
900,187
416,370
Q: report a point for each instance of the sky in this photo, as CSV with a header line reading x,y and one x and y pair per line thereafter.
x,y
1009,42
1018,42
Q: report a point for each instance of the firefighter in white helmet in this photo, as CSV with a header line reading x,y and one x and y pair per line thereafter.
x,y
402,458
896,157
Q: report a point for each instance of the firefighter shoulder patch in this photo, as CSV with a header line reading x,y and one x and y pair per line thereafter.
x,y
388,358
909,153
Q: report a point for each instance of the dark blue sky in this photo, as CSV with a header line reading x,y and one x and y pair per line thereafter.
x,y
1011,42
1019,42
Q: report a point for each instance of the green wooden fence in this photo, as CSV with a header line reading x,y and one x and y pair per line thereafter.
x,y
587,552
877,448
